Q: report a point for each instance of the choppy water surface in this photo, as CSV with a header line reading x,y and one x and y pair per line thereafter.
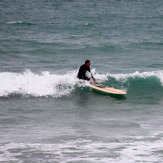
x,y
46,115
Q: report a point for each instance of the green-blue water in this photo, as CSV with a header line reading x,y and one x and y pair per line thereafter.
x,y
46,115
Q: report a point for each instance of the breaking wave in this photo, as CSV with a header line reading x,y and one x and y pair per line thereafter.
x,y
29,83
47,84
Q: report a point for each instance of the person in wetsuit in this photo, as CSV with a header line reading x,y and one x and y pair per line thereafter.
x,y
83,70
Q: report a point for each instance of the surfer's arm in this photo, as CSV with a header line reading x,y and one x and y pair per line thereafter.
x,y
92,77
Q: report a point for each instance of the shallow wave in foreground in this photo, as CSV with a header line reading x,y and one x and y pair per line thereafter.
x,y
84,150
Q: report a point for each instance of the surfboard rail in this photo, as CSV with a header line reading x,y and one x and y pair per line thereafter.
x,y
106,89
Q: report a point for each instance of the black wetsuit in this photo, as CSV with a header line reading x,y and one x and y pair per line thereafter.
x,y
82,72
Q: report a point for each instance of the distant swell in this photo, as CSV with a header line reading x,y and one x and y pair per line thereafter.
x,y
19,22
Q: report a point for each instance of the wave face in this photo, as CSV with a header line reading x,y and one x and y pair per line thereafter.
x,y
145,85
46,84
137,80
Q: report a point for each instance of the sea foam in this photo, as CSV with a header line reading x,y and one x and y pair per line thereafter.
x,y
29,83
85,150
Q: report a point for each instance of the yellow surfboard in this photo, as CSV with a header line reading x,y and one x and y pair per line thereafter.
x,y
105,89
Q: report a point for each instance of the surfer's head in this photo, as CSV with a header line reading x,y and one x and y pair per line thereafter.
x,y
87,63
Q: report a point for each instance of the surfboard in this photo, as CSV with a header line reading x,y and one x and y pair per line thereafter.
x,y
106,89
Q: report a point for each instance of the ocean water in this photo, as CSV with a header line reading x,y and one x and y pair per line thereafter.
x,y
46,115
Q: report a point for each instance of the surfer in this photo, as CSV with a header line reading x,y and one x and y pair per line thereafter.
x,y
85,72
